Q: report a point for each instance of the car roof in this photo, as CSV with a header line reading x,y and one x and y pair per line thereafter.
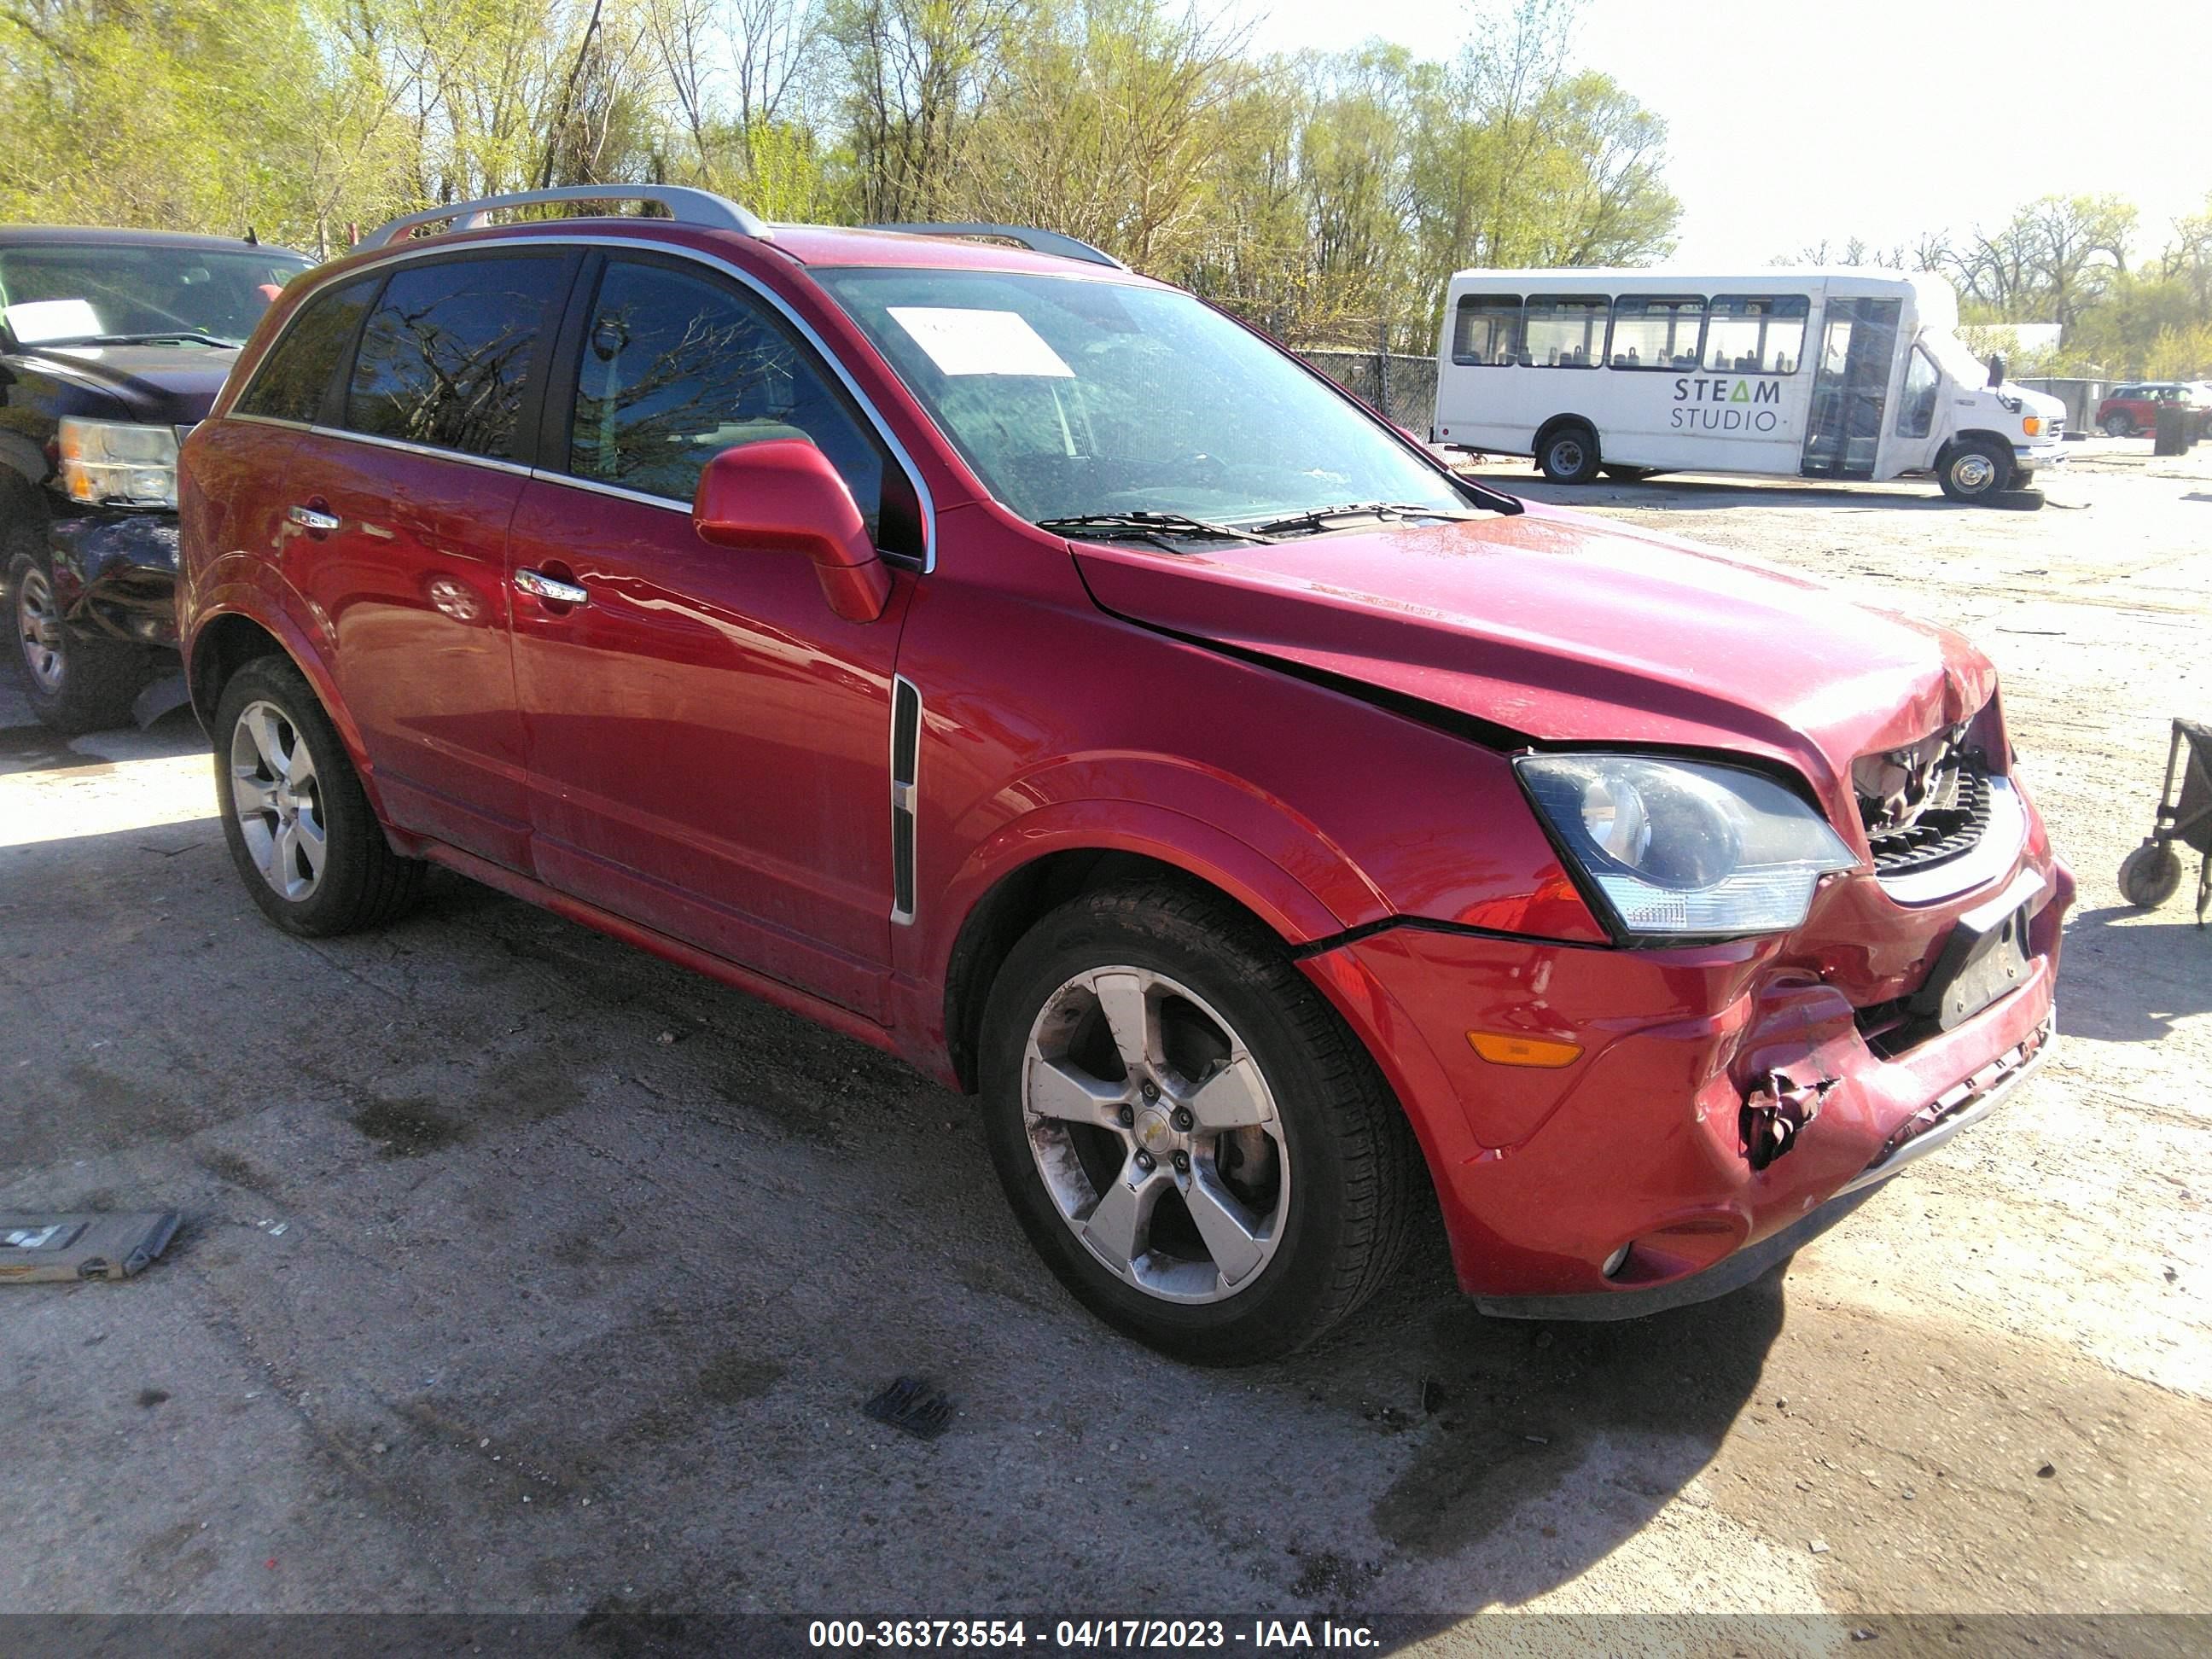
x,y
818,246
842,245
51,235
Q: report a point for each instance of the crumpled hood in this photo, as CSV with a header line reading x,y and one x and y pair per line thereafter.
x,y
1563,629
171,386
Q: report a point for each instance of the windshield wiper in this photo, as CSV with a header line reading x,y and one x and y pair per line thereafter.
x,y
1321,517
190,336
1142,525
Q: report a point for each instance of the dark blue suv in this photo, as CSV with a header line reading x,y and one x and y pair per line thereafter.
x,y
113,344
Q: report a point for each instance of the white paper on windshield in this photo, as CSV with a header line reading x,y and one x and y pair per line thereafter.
x,y
52,320
961,342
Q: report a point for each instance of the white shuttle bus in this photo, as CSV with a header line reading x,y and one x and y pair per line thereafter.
x,y
1815,373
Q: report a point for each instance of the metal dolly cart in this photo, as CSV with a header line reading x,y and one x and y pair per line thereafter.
x,y
2152,873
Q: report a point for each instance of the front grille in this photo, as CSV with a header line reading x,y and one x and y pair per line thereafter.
x,y
1951,822
2054,428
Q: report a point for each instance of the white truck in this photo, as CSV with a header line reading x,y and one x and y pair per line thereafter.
x,y
1810,372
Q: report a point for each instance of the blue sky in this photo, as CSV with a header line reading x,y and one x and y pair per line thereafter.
x,y
1793,121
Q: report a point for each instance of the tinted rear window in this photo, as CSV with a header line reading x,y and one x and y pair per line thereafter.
x,y
445,354
290,384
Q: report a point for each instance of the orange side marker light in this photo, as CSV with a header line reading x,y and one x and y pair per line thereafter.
x,y
1501,1048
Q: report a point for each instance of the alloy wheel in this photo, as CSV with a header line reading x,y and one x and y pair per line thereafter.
x,y
278,800
38,630
1156,1135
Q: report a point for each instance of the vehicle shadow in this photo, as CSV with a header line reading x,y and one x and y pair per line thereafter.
x,y
1541,1448
669,1238
2130,978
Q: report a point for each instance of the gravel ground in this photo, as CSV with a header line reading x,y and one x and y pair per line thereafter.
x,y
524,1273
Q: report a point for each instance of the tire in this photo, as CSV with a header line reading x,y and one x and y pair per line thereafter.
x,y
266,718
1627,474
1569,454
2118,424
1323,1164
1979,470
2150,875
73,681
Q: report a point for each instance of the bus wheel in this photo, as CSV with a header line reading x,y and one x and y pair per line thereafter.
x,y
1976,471
1570,454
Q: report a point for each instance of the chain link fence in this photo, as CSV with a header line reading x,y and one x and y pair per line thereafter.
x,y
1401,387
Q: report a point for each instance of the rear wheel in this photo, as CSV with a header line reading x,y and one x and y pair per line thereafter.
x,y
300,828
1627,474
2150,875
1189,1134
1569,454
2118,424
1976,471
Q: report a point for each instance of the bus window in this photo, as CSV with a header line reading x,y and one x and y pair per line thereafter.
x,y
1658,332
1756,334
1564,332
1487,329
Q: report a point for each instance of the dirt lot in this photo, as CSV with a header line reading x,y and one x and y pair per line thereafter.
x,y
524,1273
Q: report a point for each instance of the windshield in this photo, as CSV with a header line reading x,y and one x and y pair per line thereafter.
x,y
1956,357
60,292
1074,398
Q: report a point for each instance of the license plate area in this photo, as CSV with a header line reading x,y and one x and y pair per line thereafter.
x,y
1985,957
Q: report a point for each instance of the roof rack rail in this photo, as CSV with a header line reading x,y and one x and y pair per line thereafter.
x,y
1037,241
691,207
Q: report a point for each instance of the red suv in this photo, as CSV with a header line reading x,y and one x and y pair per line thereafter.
x,y
2132,409
1024,667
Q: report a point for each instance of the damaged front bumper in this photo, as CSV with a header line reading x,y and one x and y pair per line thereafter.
x,y
115,573
1724,1103
1956,1110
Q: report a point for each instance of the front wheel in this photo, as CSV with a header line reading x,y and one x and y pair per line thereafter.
x,y
74,681
1976,471
1189,1135
1570,455
300,828
2118,424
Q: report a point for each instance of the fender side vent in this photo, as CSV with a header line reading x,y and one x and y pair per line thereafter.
x,y
906,755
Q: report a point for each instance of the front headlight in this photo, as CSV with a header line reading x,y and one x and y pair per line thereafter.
x,y
111,461
1684,848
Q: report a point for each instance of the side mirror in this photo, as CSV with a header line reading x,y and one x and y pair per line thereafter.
x,y
782,495
1996,368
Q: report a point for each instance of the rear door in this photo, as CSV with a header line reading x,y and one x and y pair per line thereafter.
x,y
402,498
708,743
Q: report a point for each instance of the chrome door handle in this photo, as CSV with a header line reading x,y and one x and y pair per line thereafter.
x,y
308,518
538,585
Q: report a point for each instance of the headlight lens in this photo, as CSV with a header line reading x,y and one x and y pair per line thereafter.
x,y
111,461
1686,850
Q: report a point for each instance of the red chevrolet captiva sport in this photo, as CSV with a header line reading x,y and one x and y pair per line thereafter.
x,y
1027,668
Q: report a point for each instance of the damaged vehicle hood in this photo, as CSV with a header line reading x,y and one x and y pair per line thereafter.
x,y
1563,629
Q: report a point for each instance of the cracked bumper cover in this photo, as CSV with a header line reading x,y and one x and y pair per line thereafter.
x,y
115,573
1543,1175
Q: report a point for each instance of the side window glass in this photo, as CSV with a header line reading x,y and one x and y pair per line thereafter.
x,y
1658,332
1487,329
1756,333
444,356
1565,332
1916,413
292,378
676,369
